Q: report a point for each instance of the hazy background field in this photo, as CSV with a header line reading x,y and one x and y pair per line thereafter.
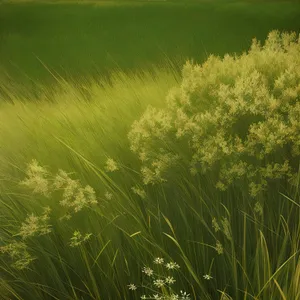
x,y
92,39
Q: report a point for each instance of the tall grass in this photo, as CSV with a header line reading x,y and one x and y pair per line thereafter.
x,y
227,244
95,124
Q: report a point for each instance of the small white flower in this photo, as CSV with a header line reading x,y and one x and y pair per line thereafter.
x,y
172,265
174,297
207,277
159,283
143,297
158,260
184,295
157,297
147,271
132,287
170,280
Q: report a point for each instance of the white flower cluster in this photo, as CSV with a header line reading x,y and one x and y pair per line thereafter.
x,y
182,296
162,282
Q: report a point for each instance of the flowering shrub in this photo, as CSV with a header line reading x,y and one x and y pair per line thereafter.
x,y
239,115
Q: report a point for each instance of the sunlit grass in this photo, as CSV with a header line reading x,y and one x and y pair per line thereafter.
x,y
226,246
76,219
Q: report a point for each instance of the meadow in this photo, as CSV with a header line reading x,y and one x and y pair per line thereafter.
x,y
91,40
136,165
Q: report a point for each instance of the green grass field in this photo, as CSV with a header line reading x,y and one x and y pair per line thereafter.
x,y
88,40
79,146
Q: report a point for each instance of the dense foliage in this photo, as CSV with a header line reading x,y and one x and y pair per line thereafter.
x,y
239,115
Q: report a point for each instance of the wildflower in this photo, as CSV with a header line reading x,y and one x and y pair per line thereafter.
x,y
215,225
30,226
221,186
132,287
18,253
14,249
47,211
143,156
35,225
207,277
226,228
158,260
66,216
108,195
184,296
219,248
149,176
139,192
36,178
159,283
77,238
87,237
172,266
170,280
157,297
143,297
255,189
74,195
60,179
111,165
70,186
173,297
90,194
147,271
23,263
258,208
